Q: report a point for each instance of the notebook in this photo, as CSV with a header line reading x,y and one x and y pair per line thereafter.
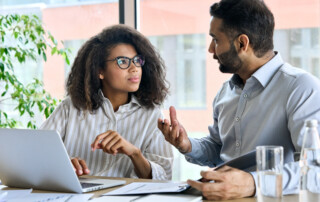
x,y
38,159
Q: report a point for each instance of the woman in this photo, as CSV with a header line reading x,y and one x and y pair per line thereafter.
x,y
108,122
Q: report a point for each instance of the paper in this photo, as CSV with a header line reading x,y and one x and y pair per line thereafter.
x,y
52,197
152,197
169,198
116,198
149,188
6,195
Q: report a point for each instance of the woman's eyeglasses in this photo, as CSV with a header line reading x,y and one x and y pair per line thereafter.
x,y
124,62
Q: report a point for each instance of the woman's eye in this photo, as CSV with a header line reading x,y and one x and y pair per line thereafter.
x,y
122,61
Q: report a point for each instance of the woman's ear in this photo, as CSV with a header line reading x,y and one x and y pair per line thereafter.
x,y
101,76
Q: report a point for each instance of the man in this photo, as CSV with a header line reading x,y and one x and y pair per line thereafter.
x,y
264,103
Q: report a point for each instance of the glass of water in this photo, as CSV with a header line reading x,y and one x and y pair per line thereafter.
x,y
269,171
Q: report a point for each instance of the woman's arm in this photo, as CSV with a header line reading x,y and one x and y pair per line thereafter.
x,y
111,142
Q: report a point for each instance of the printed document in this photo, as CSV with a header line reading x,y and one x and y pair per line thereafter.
x,y
149,188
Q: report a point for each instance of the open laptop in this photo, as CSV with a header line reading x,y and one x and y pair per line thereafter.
x,y
38,159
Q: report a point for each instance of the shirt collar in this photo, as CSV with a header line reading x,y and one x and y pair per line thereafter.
x,y
235,81
133,103
264,74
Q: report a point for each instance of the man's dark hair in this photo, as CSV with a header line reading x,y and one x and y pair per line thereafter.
x,y
249,17
83,82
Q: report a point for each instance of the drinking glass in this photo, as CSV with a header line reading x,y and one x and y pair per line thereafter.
x,y
269,171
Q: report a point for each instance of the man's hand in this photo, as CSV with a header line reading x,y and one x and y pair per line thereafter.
x,y
229,183
111,142
174,133
80,166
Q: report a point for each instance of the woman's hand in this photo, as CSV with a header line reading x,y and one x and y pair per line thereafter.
x,y
80,166
111,142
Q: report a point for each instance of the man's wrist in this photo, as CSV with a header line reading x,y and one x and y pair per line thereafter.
x,y
252,186
186,150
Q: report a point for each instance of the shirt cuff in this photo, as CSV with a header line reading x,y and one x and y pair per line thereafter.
x,y
158,173
255,178
195,150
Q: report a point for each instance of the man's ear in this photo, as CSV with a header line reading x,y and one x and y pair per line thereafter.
x,y
243,42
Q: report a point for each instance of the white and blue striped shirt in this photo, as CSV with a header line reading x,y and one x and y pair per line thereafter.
x,y
133,122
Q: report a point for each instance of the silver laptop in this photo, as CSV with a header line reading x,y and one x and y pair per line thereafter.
x,y
38,159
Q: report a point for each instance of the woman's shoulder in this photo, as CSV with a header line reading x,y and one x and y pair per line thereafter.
x,y
66,104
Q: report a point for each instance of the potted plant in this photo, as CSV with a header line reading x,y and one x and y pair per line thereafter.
x,y
23,39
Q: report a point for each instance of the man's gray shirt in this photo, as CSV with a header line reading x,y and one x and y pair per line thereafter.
x,y
270,109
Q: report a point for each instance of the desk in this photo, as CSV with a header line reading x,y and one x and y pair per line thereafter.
x,y
288,198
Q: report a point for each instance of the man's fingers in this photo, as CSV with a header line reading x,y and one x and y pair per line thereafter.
x,y
160,124
213,175
174,132
181,136
166,128
196,184
210,190
173,114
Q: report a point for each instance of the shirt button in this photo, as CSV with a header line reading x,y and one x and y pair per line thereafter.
x,y
245,95
237,118
237,144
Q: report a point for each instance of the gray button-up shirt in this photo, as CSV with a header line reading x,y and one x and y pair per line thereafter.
x,y
270,109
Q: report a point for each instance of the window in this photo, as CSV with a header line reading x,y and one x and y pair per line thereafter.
x,y
186,70
299,53
296,37
315,37
315,67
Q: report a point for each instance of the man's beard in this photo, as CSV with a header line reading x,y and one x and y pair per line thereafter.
x,y
230,61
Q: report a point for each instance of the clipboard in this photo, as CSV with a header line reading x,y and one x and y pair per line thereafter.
x,y
143,188
242,162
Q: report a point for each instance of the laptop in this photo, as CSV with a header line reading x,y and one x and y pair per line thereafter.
x,y
38,159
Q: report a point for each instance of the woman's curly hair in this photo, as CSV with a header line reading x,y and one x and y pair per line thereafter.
x,y
83,82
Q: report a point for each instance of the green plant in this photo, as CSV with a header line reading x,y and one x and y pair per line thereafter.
x,y
24,39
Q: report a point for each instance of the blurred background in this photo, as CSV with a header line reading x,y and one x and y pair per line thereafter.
x,y
179,29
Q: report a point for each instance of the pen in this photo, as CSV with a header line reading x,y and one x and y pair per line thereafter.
x,y
163,123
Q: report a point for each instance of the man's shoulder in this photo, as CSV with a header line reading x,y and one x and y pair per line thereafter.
x,y
297,76
296,73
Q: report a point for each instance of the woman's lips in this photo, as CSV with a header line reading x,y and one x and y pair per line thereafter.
x,y
135,79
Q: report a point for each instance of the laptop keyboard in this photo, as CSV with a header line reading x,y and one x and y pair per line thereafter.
x,y
88,185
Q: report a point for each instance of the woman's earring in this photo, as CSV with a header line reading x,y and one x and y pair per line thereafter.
x,y
101,76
